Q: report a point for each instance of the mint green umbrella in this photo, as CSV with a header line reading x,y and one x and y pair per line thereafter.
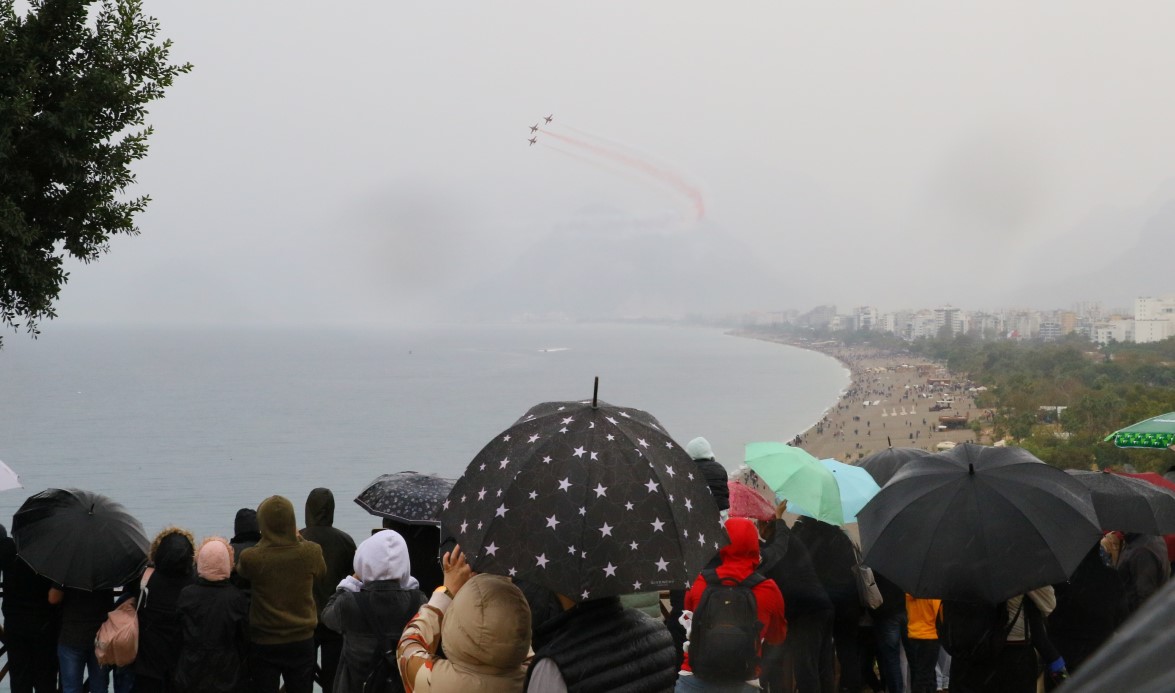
x,y
799,477
1155,432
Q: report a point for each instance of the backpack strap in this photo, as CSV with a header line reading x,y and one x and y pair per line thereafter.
x,y
1012,621
752,580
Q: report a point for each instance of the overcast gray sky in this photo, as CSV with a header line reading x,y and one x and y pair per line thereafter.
x,y
367,161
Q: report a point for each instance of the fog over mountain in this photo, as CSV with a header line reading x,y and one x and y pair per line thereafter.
x,y
370,165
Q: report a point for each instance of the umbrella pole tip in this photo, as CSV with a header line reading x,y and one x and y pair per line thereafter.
x,y
595,393
971,468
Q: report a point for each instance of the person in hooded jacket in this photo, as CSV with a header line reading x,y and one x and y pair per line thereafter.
x,y
737,560
716,477
806,606
1143,566
282,569
245,535
424,551
483,623
214,621
371,607
172,555
30,623
338,550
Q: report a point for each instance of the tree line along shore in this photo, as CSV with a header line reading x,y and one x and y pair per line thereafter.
x,y
1059,400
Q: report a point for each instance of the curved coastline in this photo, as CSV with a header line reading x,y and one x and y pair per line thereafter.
x,y
885,404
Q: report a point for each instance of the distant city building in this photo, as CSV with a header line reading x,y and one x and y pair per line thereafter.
x,y
867,318
948,317
1050,331
1154,319
819,317
1113,331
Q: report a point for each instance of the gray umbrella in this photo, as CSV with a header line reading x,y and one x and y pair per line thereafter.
x,y
409,497
1127,504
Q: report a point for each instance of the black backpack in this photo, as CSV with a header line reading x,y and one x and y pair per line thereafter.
x,y
724,637
385,672
974,632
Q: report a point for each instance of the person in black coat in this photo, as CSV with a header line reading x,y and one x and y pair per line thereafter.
x,y
424,551
716,478
371,607
246,534
173,556
1090,607
338,550
214,621
833,558
30,623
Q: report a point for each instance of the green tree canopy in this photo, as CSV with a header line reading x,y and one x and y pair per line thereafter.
x,y
75,81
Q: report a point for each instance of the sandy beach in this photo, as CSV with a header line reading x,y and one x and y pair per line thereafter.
x,y
890,402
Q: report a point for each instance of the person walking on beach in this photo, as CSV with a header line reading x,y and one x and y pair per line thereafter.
x,y
282,569
371,607
338,551
173,556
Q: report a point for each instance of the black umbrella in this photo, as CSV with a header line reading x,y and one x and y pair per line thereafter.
x,y
978,524
1128,505
586,500
80,539
408,497
884,464
1137,658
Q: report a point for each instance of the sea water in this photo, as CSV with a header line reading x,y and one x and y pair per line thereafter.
x,y
186,426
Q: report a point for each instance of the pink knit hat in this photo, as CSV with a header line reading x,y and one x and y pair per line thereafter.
x,y
214,560
745,502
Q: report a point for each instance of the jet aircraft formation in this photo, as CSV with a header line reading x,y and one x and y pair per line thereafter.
x,y
535,128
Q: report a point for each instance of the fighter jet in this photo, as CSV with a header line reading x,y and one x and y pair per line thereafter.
x,y
533,140
549,118
534,128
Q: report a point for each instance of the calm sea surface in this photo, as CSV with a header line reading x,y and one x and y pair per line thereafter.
x,y
185,427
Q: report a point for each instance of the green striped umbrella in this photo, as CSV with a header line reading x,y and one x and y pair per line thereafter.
x,y
1156,432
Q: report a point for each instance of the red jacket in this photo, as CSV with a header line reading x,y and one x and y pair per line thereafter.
x,y
739,558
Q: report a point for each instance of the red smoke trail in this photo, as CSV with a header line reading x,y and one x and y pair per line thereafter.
x,y
672,179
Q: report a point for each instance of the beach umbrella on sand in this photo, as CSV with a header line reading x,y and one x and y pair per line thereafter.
x,y
799,477
409,497
1128,505
978,524
80,539
1155,432
8,478
883,465
586,499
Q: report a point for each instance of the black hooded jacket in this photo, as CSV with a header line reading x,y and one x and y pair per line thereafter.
x,y
160,636
338,548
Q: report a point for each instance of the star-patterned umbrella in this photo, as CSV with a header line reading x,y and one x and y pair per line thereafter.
x,y
587,499
409,497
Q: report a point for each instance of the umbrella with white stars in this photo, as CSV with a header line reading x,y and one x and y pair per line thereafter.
x,y
587,499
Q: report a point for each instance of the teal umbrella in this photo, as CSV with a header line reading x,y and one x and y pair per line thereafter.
x,y
798,477
856,486
1156,432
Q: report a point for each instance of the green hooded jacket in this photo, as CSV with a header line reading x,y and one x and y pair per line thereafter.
x,y
282,569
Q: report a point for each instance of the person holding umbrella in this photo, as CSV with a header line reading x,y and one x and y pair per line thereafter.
x,y
30,623
86,544
483,623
